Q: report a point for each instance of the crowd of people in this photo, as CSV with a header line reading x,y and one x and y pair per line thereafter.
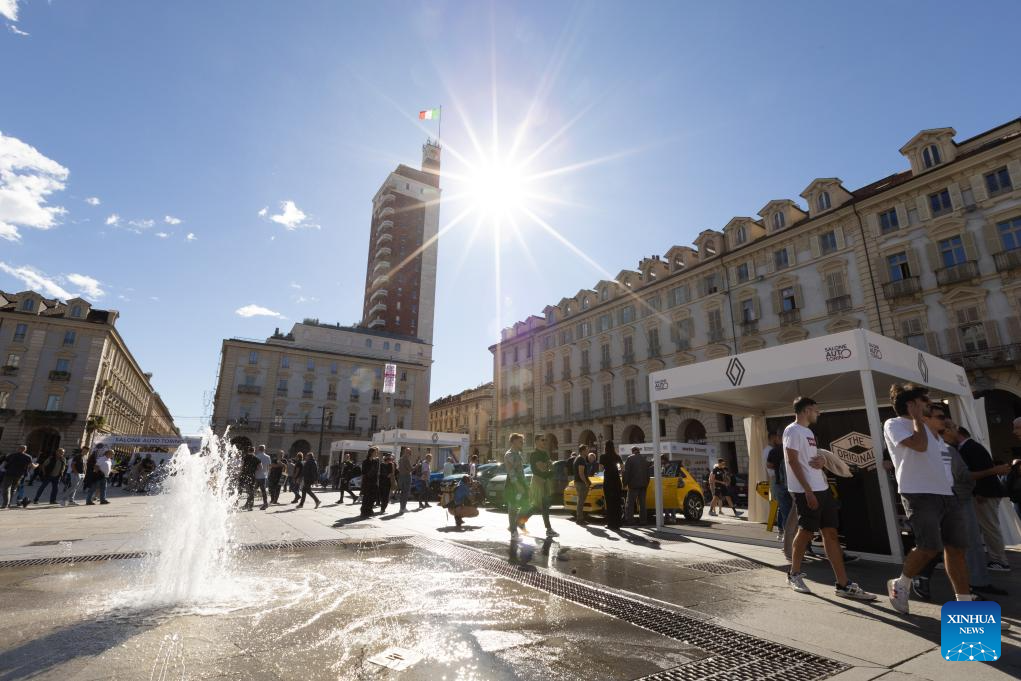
x,y
90,473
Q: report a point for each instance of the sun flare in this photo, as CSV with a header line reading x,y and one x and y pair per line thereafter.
x,y
496,188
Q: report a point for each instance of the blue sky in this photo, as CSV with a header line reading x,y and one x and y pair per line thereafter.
x,y
207,113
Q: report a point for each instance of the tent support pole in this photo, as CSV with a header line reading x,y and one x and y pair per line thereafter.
x,y
657,467
868,387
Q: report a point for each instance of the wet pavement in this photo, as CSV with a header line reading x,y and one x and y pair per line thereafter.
x,y
445,605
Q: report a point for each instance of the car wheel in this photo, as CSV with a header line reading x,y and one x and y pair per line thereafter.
x,y
694,504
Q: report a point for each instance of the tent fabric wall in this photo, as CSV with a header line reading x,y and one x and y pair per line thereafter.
x,y
756,437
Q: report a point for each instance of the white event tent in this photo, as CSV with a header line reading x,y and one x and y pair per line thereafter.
x,y
841,371
400,437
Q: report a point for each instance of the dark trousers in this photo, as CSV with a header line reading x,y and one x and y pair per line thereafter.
x,y
368,499
261,484
52,481
383,497
274,490
345,486
543,508
306,490
614,497
404,484
248,488
8,485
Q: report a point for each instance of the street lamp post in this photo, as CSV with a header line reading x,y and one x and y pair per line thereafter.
x,y
322,427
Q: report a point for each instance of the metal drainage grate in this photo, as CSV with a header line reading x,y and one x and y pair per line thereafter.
x,y
736,656
69,560
724,567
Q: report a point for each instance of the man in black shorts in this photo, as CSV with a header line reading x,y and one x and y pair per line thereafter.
x,y
817,509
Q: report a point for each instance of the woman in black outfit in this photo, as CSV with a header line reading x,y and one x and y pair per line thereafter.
x,y
613,489
309,476
276,471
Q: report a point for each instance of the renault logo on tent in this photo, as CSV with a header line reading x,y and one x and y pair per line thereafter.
x,y
923,368
735,372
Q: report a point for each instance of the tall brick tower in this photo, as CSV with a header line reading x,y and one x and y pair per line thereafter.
x,y
400,278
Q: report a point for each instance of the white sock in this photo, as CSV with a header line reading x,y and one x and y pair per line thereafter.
x,y
904,582
965,597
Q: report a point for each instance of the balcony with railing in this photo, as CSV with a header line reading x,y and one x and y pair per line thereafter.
x,y
964,271
378,321
586,369
565,374
838,304
60,376
244,425
306,393
654,351
277,427
304,427
281,392
245,389
749,327
9,370
384,226
716,335
383,252
402,402
381,266
332,396
629,357
47,417
387,212
384,238
377,308
1008,260
386,200
380,280
987,358
902,288
790,316
683,344
379,293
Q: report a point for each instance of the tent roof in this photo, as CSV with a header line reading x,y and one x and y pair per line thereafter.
x,y
766,382
421,437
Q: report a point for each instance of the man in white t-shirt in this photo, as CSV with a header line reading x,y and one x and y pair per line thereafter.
x,y
261,473
934,513
817,509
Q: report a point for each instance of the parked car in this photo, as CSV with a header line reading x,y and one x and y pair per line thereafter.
x,y
496,485
561,476
436,479
681,492
485,472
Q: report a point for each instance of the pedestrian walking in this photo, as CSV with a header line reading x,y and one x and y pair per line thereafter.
x,y
370,482
636,481
473,466
579,466
53,469
936,518
297,479
989,490
274,479
16,467
776,470
76,469
262,474
404,468
719,483
817,509
516,492
249,465
613,488
348,471
387,481
104,467
424,471
91,475
309,476
542,482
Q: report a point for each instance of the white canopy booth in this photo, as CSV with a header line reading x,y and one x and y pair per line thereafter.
x,y
400,437
357,447
842,371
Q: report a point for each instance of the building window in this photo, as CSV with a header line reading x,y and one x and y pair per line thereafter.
x,y
912,334
998,181
835,285
528,350
1010,233
249,379
781,260
913,216
828,242
709,247
607,395
515,354
549,406
567,404
278,418
629,348
282,387
740,235
351,418
630,392
63,365
897,265
285,362
333,367
584,303
679,295
742,272
779,220
971,329
76,312
53,403
788,299
70,337
931,156
4,398
397,346
603,324
715,322
13,360
888,221
19,332
655,303
374,424
586,401
712,284
368,342
604,355
627,314
823,201
386,344
748,310
253,357
307,389
951,251
549,371
28,305
654,342
503,358
939,203
310,365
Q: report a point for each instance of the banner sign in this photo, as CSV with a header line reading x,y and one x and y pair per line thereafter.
x,y
390,379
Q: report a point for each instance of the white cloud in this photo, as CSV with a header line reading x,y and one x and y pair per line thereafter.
x,y
114,219
93,201
27,178
90,287
171,220
257,311
54,287
263,211
290,216
305,299
295,285
191,237
139,226
9,9
162,235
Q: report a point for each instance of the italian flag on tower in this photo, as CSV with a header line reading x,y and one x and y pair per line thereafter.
x,y
429,115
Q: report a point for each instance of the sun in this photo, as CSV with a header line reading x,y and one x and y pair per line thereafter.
x,y
496,187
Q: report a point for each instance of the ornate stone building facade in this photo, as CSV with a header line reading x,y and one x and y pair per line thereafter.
x,y
319,378
64,363
929,256
470,411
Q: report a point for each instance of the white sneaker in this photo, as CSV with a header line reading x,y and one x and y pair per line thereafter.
x,y
898,596
797,582
854,592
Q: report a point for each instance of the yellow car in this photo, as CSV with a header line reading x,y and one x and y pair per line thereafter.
x,y
681,492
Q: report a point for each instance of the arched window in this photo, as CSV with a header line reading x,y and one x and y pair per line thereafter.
x,y
779,220
710,247
824,201
740,235
931,156
28,305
